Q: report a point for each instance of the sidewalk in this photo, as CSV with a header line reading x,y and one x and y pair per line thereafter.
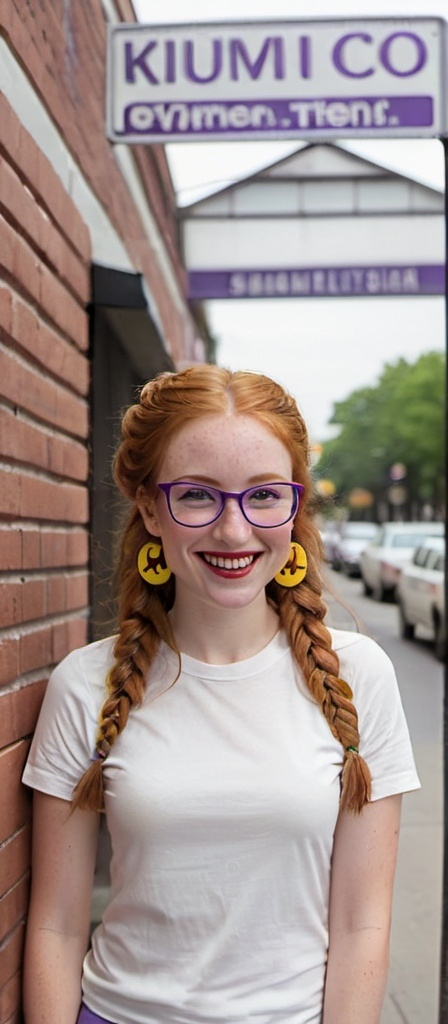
x,y
413,990
414,979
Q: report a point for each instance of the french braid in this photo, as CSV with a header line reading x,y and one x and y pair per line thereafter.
x,y
302,611
147,429
143,623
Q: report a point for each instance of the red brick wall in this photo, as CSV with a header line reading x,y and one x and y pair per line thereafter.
x,y
63,47
44,422
45,255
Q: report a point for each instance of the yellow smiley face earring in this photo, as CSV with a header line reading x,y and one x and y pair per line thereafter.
x,y
151,564
294,571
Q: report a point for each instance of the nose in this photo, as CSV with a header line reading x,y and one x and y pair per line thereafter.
x,y
232,527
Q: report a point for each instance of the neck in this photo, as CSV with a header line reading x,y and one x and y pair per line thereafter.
x,y
223,636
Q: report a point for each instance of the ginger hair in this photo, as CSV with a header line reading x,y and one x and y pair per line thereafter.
x,y
148,427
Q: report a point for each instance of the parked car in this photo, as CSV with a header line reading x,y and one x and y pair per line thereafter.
x,y
352,540
329,532
421,593
394,545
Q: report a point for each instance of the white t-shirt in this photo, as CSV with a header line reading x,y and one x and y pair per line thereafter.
x,y
221,800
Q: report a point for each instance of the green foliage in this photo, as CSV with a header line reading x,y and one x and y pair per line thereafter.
x,y
399,420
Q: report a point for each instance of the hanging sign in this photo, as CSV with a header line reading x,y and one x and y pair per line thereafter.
x,y
369,77
317,282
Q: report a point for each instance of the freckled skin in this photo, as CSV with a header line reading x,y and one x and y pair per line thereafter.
x,y
232,452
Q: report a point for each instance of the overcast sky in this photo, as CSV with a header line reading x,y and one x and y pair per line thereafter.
x,y
322,349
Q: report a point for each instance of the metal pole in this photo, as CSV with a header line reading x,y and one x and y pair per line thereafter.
x,y
443,1013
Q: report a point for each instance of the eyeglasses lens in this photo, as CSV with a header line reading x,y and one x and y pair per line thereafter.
x,y
266,505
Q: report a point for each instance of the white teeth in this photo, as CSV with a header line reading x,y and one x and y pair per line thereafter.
x,y
229,563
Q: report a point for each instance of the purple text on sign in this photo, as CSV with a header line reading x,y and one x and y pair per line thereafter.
x,y
268,117
355,55
317,282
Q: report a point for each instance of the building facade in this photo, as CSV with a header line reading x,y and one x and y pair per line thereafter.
x,y
92,303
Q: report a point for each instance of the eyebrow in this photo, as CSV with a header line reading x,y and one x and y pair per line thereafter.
x,y
212,481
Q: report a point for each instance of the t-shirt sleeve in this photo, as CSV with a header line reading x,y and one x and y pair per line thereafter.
x,y
64,740
385,743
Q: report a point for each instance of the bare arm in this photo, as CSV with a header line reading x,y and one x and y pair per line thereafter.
x,y
63,863
362,877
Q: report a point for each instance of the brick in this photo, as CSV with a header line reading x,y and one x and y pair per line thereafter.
x,y
10,548
18,203
11,953
25,325
31,545
19,710
15,798
15,855
62,359
60,306
36,649
23,386
25,266
10,604
47,347
5,309
9,659
77,547
43,499
10,126
68,458
61,642
41,646
56,594
53,548
61,207
13,906
68,636
77,591
9,492
64,548
34,167
77,630
34,599
38,282
22,441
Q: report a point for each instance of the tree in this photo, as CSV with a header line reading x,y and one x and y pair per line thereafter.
x,y
400,420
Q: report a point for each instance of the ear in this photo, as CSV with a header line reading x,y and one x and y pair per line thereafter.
x,y
148,511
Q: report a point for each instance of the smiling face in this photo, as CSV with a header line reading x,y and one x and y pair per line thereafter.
x,y
228,563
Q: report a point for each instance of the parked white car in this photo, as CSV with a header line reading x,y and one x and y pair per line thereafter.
x,y
382,559
421,593
352,540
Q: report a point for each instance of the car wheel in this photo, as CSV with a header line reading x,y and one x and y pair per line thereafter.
x,y
406,628
439,639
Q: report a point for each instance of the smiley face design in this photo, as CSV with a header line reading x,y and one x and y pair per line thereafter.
x,y
295,569
152,565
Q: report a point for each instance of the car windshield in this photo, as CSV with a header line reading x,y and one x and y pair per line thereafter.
x,y
406,540
363,531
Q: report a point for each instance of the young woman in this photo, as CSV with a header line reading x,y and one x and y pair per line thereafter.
x,y
249,760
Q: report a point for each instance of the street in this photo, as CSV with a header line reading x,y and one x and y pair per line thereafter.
x,y
413,990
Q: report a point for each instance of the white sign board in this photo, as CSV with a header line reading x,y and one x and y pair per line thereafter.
x,y
369,77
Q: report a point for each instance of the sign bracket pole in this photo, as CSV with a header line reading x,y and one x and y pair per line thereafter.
x,y
443,1009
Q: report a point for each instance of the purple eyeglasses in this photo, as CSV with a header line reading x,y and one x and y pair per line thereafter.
x,y
267,505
